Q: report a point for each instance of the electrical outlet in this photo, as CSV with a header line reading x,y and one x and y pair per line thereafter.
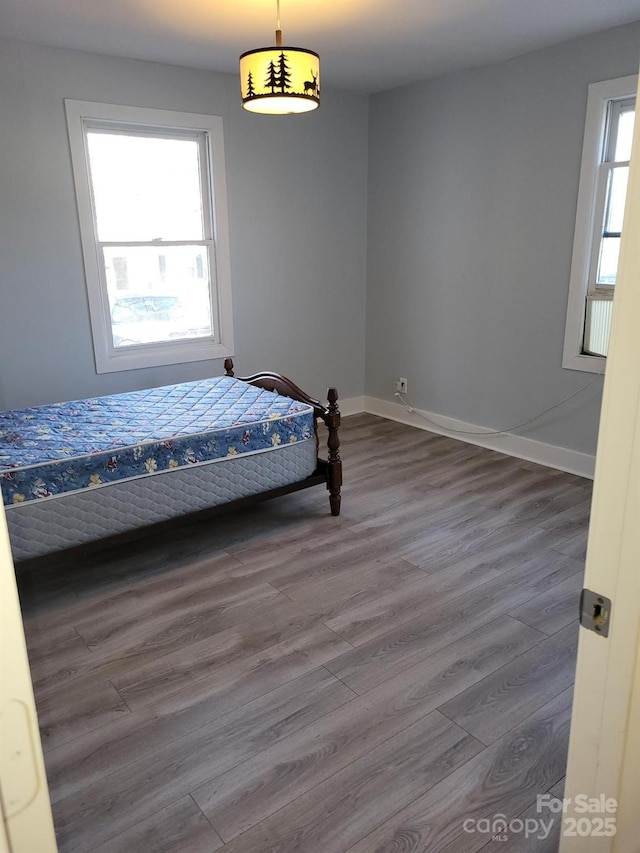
x,y
401,385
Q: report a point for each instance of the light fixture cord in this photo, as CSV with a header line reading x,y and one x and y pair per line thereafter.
x,y
278,26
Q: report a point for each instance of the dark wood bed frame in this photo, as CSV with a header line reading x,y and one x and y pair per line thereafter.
x,y
329,470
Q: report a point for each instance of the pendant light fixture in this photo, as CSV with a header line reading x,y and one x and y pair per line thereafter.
x,y
280,80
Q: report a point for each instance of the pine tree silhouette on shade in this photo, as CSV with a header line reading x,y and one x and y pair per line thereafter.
x,y
250,90
271,82
283,75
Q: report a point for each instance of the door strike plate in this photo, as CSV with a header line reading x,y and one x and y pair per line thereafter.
x,y
595,612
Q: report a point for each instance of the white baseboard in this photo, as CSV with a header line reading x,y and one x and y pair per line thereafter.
x,y
352,406
562,458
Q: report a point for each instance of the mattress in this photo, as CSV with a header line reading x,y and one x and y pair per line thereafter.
x,y
43,527
112,463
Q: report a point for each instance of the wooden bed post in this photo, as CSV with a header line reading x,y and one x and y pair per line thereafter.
x,y
328,470
334,480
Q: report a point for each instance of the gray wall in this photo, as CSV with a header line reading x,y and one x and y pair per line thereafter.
x,y
473,181
297,197
472,188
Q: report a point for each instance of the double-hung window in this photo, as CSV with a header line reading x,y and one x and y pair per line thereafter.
x,y
601,203
150,186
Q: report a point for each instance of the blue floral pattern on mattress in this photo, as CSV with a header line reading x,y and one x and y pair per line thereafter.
x,y
65,447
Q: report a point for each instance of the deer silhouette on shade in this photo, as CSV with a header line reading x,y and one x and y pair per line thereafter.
x,y
311,85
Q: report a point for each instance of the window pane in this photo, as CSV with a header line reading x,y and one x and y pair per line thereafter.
x,y
624,136
145,188
616,197
608,263
158,294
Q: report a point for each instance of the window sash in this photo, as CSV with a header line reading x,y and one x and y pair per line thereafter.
x,y
616,108
604,187
597,318
123,129
216,320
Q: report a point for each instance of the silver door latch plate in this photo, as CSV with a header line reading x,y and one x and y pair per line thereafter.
x,y
595,612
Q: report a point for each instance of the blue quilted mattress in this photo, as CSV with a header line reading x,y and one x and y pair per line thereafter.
x,y
68,447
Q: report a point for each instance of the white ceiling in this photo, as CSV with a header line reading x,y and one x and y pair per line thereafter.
x,y
365,45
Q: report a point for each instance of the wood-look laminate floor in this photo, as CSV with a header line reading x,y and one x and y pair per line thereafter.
x,y
281,680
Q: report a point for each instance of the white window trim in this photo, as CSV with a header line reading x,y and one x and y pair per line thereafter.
x,y
599,96
109,359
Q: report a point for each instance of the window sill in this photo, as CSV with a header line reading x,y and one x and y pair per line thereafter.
x,y
585,363
135,358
